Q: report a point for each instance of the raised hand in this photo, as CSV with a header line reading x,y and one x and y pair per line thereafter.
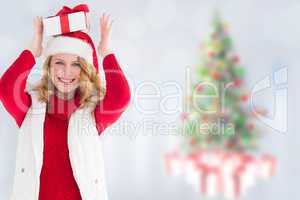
x,y
105,30
36,43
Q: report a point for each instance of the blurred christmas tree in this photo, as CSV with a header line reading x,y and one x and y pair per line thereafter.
x,y
218,125
216,114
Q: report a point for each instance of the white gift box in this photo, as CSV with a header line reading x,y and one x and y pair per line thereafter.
x,y
191,173
250,174
57,25
210,181
176,167
210,176
267,166
239,174
174,164
231,186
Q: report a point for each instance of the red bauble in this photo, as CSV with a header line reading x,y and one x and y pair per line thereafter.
x,y
236,59
250,126
184,116
237,82
216,75
244,97
210,65
214,35
209,139
205,118
193,141
199,88
211,54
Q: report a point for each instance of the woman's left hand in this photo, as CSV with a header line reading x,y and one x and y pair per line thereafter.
x,y
105,29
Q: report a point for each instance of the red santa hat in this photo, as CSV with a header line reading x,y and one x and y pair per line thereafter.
x,y
78,43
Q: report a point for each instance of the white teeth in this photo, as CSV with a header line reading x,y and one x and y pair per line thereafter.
x,y
66,80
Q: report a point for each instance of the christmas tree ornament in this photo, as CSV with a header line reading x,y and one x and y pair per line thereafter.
x,y
244,97
221,64
237,82
250,126
216,75
211,54
210,65
236,59
214,36
199,88
184,116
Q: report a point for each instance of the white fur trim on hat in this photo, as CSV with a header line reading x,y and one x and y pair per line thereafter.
x,y
71,45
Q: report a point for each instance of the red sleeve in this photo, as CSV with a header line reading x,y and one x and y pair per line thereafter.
x,y
12,86
117,95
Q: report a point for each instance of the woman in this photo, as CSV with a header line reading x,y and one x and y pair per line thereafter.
x,y
58,156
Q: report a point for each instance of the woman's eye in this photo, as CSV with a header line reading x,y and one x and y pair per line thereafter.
x,y
76,65
59,63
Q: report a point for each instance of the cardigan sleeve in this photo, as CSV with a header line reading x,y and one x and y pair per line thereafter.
x,y
117,96
12,86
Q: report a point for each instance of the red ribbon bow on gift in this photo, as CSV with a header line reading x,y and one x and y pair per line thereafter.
x,y
78,8
63,14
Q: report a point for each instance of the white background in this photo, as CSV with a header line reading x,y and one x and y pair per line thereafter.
x,y
155,41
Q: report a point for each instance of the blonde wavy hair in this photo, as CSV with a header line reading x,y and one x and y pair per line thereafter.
x,y
91,87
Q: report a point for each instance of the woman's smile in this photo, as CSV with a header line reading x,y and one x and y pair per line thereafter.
x,y
66,81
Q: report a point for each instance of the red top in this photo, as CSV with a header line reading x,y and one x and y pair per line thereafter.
x,y
56,179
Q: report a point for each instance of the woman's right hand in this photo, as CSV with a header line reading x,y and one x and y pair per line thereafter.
x,y
36,42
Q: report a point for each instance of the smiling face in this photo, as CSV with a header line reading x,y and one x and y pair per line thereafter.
x,y
65,72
